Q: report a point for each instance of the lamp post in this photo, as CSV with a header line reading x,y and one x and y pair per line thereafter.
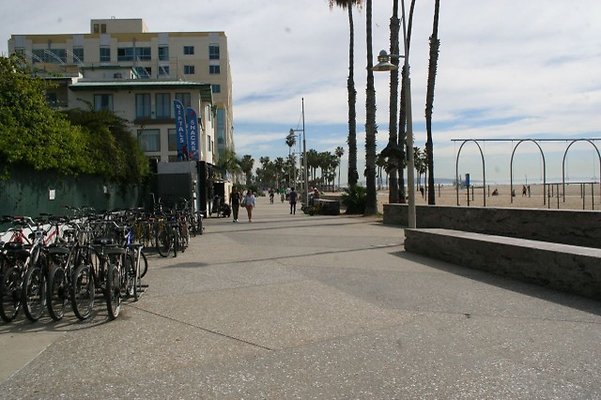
x,y
305,175
384,64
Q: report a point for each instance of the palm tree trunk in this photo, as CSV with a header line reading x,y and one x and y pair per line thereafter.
x,y
353,176
434,49
393,188
371,206
403,114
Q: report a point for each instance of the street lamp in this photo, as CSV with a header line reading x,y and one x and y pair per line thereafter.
x,y
384,64
306,180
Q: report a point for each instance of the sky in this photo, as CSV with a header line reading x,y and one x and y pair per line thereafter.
x,y
507,70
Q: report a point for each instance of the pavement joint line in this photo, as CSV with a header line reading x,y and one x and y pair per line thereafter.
x,y
204,329
321,253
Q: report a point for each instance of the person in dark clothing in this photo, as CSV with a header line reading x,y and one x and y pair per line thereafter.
x,y
235,200
292,198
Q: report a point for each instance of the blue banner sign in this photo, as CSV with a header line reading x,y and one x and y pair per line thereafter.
x,y
180,128
193,142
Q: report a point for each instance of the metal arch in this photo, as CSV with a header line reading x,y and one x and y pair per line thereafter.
x,y
563,164
483,168
51,54
542,153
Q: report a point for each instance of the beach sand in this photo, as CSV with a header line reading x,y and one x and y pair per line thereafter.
x,y
578,197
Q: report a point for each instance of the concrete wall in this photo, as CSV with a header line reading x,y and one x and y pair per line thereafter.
x,y
579,228
563,267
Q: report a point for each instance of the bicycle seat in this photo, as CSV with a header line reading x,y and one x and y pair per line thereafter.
x,y
104,241
115,250
55,249
13,246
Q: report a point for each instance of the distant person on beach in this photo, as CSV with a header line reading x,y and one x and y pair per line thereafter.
x,y
524,190
495,192
421,190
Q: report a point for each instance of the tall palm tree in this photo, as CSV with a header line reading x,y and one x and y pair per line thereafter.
x,y
353,175
371,204
403,113
434,50
392,150
339,153
290,141
246,164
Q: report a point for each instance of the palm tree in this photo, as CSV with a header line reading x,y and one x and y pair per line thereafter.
x,y
434,49
392,150
246,164
339,153
420,163
228,163
403,113
353,175
291,141
371,204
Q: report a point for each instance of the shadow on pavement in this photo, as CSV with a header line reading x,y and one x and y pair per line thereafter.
x,y
529,289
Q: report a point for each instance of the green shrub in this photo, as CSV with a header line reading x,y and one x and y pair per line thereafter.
x,y
354,200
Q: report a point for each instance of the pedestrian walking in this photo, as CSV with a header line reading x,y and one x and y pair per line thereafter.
x,y
235,199
249,203
292,196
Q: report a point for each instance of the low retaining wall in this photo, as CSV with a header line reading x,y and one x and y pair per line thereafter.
x,y
579,228
568,268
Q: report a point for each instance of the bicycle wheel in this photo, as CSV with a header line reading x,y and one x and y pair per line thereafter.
x,y
34,293
113,290
57,293
199,226
163,244
128,275
175,241
10,294
143,264
83,292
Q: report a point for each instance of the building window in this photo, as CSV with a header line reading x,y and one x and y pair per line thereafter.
x,y
125,54
102,28
172,140
143,72
185,98
213,52
216,88
189,50
163,53
142,105
189,69
133,54
105,54
163,70
52,56
214,69
163,105
78,55
103,102
149,139
96,28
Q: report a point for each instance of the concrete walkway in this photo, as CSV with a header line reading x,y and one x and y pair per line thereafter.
x,y
292,306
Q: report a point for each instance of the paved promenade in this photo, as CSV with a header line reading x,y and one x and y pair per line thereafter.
x,y
299,307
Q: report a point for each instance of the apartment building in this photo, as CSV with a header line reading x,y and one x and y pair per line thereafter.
x,y
138,74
